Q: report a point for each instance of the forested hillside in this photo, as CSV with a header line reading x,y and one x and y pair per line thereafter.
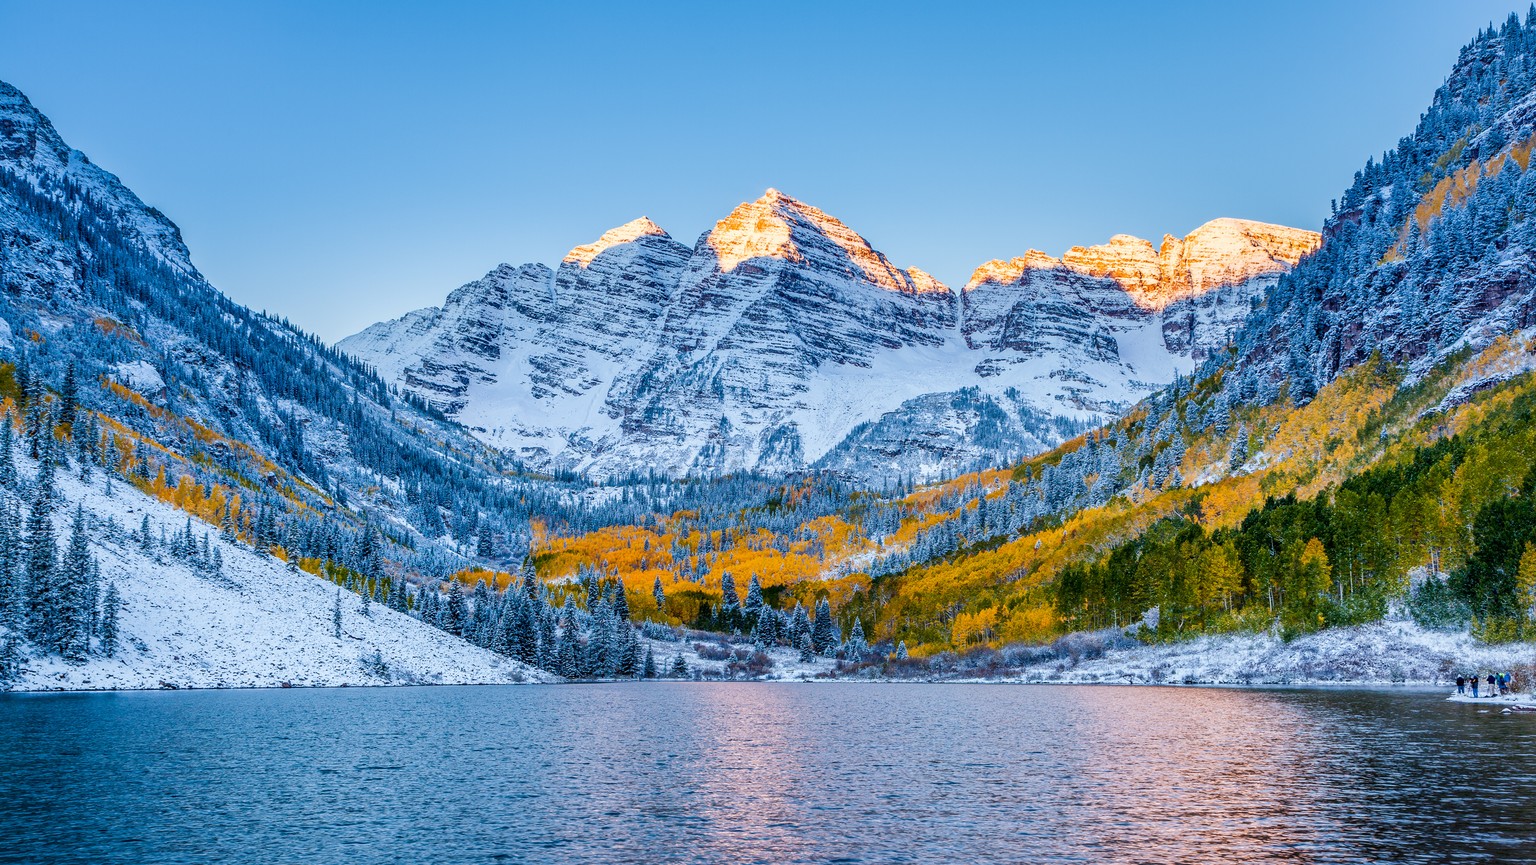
x,y
1362,449
119,363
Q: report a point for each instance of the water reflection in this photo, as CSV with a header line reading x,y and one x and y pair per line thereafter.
x,y
680,772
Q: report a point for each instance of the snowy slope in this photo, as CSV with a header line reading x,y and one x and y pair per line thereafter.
x,y
101,283
260,624
782,331
31,146
1381,653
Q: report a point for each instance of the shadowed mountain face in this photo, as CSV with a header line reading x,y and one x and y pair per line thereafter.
x,y
782,330
95,281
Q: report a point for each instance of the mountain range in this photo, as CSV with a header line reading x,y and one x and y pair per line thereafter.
x,y
1250,429
782,340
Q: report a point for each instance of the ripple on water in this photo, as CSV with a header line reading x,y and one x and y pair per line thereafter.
x,y
773,773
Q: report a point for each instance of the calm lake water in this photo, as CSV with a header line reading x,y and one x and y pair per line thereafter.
x,y
682,772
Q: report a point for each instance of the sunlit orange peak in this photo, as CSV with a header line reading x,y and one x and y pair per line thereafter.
x,y
629,231
1220,252
767,227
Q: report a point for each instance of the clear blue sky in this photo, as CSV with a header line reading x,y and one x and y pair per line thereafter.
x,y
345,163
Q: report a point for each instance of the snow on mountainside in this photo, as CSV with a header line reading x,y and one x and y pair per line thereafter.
x,y
102,283
32,148
782,332
256,623
115,352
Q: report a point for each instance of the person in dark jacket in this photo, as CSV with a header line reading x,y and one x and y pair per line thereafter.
x,y
1491,683
1461,684
1474,685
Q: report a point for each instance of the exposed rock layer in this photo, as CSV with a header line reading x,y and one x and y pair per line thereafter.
x,y
782,330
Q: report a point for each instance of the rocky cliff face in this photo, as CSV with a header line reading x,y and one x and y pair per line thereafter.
x,y
102,285
32,149
782,331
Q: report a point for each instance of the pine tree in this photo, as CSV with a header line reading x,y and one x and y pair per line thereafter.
x,y
336,615
594,591
13,610
456,615
12,599
504,639
110,605
569,653
679,666
661,598
76,610
901,651
83,440
730,602
44,617
753,606
800,625
1238,454
69,393
226,522
823,638
620,604
8,476
648,670
44,485
12,658
856,644
630,655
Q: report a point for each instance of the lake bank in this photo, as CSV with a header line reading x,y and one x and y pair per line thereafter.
x,y
1383,653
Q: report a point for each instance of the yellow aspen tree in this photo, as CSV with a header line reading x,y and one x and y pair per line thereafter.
x,y
1526,579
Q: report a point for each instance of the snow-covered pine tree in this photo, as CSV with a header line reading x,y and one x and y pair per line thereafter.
x,y
800,624
823,639
111,604
83,441
44,484
1238,453
648,670
44,610
679,669
629,651
227,531
336,615
76,609
753,605
661,599
594,590
456,615
482,617
504,640
730,602
8,476
620,604
856,645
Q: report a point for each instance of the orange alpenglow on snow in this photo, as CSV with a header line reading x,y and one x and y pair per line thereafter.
x,y
629,231
776,225
1220,252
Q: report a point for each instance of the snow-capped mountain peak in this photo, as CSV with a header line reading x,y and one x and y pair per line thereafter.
x,y
783,329
626,233
779,226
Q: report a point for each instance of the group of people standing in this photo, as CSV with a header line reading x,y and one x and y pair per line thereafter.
x,y
1499,684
